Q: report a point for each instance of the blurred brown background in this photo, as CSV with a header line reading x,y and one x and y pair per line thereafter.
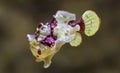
x,y
97,54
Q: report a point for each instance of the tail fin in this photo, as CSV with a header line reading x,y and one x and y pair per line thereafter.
x,y
91,22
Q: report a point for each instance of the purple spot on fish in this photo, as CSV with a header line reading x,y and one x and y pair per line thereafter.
x,y
49,41
72,23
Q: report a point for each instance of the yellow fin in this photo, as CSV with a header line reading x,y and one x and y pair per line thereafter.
x,y
77,40
47,61
91,22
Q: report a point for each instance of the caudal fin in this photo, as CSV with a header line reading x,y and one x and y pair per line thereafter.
x,y
91,22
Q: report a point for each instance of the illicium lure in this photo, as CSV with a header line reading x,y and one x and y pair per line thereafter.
x,y
64,28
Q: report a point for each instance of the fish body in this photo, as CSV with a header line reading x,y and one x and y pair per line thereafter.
x,y
64,28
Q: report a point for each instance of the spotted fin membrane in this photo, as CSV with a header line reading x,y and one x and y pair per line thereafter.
x,y
64,28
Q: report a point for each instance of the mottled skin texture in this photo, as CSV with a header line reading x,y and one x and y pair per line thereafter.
x,y
64,28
